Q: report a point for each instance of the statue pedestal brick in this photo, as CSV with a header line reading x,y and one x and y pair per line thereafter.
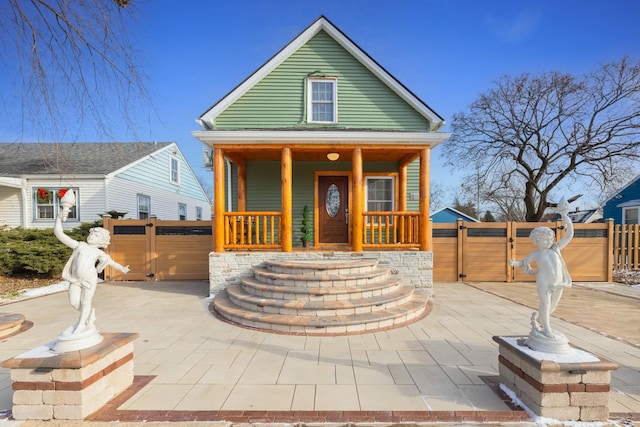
x,y
71,385
572,386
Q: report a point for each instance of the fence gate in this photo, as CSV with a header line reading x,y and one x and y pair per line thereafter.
x,y
159,250
479,252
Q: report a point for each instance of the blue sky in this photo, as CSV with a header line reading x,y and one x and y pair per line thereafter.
x,y
446,52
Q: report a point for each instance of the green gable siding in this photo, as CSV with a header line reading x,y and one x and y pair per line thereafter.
x,y
278,100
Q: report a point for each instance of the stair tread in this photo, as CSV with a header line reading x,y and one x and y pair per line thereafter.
x,y
223,305
321,265
319,290
296,304
372,274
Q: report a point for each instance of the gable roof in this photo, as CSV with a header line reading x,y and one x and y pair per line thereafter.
x,y
615,193
456,212
322,24
95,158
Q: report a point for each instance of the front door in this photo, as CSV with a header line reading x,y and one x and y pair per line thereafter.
x,y
333,209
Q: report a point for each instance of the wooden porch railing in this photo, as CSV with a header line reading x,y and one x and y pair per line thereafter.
x,y
252,230
626,246
391,229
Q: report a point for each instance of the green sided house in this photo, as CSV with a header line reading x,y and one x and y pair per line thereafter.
x,y
321,125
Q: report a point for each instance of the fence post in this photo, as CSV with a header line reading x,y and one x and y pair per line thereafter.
x,y
610,257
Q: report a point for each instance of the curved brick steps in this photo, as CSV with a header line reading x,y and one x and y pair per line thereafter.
x,y
256,287
367,322
319,307
320,297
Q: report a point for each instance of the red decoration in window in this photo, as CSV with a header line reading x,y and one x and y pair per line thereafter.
x,y
43,194
61,193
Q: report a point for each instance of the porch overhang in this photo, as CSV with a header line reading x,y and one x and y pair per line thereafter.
x,y
309,145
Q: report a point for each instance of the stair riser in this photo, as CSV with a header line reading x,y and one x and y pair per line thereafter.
x,y
323,297
328,283
326,330
322,272
347,311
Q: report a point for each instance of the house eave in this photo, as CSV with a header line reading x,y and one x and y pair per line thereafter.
x,y
269,137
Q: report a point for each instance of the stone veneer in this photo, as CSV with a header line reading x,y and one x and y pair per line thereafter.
x,y
415,267
72,385
576,391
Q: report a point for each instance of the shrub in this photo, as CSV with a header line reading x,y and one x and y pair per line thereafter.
x,y
35,252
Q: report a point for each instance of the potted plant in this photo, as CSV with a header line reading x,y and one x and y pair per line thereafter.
x,y
306,227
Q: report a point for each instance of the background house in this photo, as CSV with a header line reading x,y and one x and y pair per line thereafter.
x,y
624,206
448,214
142,179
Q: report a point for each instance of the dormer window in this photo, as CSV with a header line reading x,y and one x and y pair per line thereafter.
x,y
322,100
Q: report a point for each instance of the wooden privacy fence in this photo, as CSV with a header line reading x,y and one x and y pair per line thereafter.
x,y
479,252
626,243
463,251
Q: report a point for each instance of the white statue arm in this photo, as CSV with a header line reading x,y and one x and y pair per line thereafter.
x,y
106,260
563,209
59,233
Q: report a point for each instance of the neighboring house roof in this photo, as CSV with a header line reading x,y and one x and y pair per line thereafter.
x,y
322,24
617,192
452,213
20,159
586,216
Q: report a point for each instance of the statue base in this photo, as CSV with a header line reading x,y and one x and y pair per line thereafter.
x,y
573,386
68,341
538,341
72,385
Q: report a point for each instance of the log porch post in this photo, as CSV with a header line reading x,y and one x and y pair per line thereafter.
x,y
218,200
286,224
402,177
357,207
242,187
425,224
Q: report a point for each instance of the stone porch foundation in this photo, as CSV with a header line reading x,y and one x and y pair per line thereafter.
x,y
415,267
72,385
573,390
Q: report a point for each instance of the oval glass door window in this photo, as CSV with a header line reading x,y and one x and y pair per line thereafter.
x,y
333,200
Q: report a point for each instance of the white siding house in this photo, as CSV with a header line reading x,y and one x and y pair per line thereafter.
x,y
141,179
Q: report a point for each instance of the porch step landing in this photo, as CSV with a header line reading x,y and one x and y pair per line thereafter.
x,y
320,298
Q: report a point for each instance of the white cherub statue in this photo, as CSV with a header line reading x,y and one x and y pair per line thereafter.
x,y
82,268
552,272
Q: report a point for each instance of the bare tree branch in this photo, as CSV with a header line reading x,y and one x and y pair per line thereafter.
x,y
75,65
533,133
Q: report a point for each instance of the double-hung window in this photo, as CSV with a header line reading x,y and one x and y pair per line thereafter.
x,y
630,215
174,170
47,203
380,194
182,211
322,100
144,206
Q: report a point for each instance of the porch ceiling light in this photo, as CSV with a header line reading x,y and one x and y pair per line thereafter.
x,y
333,156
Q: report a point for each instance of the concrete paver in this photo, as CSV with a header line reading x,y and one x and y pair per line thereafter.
x,y
435,364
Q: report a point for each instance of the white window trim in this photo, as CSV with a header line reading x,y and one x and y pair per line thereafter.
x,y
177,180
55,203
624,212
310,82
198,213
182,205
138,197
366,191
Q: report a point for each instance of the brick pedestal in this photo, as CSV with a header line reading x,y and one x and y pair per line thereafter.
x,y
564,389
73,385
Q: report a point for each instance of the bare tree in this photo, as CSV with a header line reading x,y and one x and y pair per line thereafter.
x,y
528,134
74,64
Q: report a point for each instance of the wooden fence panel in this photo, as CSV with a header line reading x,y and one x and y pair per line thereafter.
x,y
485,251
445,252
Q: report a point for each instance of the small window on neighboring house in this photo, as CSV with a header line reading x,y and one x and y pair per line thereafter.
x,y
322,101
47,203
380,194
182,211
630,215
144,206
198,213
175,170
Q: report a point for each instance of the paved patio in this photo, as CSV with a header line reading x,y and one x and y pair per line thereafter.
x,y
191,366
